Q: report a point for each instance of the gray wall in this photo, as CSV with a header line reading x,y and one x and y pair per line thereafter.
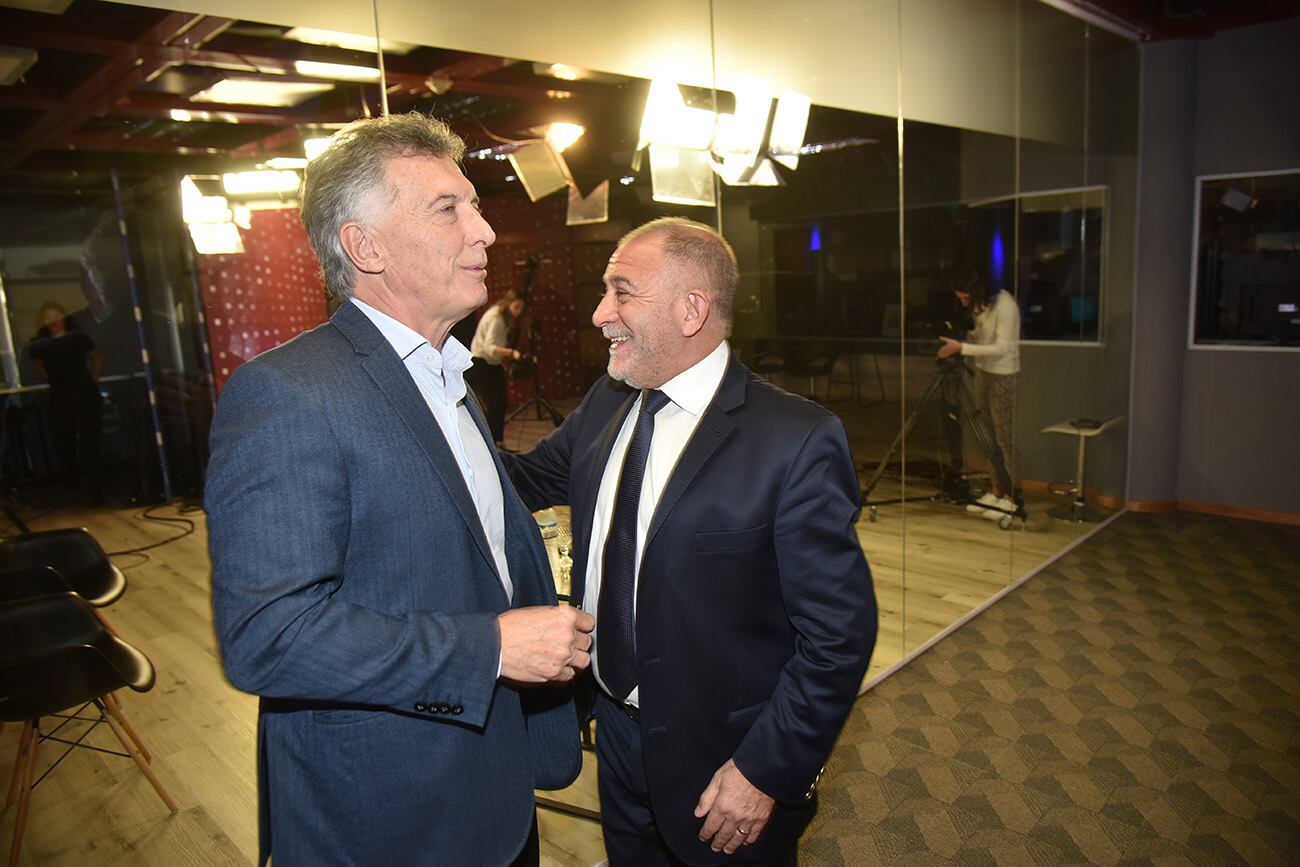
x,y
1210,425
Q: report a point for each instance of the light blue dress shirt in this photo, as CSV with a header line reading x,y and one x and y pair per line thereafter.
x,y
440,378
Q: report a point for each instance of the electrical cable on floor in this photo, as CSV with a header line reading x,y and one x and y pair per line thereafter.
x,y
161,519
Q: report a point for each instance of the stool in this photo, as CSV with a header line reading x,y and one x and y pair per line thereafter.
x,y
1078,511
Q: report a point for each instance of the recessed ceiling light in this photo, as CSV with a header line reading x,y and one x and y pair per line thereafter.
x,y
252,91
354,41
339,71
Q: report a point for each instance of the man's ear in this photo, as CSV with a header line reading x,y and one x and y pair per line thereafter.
x,y
361,248
696,308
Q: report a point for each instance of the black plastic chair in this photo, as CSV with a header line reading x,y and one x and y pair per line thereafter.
x,y
31,582
75,555
55,654
78,559
813,365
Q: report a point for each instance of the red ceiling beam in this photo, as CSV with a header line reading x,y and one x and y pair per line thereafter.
x,y
124,71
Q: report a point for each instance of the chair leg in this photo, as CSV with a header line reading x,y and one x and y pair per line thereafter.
x,y
32,733
112,716
111,699
19,759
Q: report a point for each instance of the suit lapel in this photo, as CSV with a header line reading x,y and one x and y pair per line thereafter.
x,y
713,430
604,444
391,377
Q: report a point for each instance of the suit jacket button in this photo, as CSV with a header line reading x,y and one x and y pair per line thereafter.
x,y
458,710
444,708
420,707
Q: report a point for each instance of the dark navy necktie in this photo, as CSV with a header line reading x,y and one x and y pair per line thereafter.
x,y
615,623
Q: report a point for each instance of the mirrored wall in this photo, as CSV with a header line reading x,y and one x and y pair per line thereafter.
x,y
896,178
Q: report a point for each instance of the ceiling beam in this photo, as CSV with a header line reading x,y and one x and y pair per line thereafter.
x,y
128,68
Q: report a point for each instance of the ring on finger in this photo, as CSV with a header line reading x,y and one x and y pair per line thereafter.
x,y
742,831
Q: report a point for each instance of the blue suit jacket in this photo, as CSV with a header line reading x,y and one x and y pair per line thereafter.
x,y
755,610
354,591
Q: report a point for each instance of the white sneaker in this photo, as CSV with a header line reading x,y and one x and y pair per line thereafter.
x,y
1001,509
987,501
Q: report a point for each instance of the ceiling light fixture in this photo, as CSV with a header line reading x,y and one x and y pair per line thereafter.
x,y
354,41
252,91
335,71
314,147
562,135
259,183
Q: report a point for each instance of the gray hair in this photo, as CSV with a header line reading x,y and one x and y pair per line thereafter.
x,y
694,245
347,182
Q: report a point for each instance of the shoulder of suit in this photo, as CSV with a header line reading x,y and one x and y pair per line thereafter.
x,y
309,355
763,396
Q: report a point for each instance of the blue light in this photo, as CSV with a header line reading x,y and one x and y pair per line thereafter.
x,y
998,259
815,238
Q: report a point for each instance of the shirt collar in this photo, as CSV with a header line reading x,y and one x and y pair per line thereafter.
x,y
694,387
454,357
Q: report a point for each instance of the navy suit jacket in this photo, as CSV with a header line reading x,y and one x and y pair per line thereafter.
x,y
755,610
354,591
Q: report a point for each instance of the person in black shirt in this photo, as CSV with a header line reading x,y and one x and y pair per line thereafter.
x,y
68,360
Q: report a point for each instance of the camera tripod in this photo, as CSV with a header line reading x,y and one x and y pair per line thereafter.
x,y
543,406
949,385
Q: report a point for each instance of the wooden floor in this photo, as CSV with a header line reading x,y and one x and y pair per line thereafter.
x,y
98,809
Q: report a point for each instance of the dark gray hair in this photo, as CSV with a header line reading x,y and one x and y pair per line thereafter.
x,y
347,182
689,244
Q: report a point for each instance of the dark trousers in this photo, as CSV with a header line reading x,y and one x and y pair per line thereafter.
x,y
75,421
631,838
489,384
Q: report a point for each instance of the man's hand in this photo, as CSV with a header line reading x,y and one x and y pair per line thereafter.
x,y
734,811
544,643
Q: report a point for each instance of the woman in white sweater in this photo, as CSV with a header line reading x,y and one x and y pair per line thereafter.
x,y
994,347
487,377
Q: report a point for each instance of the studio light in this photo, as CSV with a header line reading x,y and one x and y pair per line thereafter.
x,y
667,120
314,147
681,176
199,208
789,126
209,220
541,168
688,145
259,183
563,135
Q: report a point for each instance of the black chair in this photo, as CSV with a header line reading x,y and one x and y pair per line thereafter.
x,y
31,582
767,364
76,556
55,654
812,365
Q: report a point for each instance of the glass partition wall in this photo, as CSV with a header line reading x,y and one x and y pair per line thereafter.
x,y
952,149
890,173
871,164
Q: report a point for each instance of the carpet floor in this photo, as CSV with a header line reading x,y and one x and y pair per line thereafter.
x,y
1138,702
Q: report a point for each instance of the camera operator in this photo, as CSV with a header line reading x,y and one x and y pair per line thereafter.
x,y
994,345
487,377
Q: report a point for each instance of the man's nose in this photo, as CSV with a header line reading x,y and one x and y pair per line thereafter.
x,y
480,230
604,312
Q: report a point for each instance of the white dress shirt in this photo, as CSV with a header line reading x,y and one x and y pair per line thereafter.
x,y
689,393
440,378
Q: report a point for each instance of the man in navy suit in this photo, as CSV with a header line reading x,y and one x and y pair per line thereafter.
x,y
714,517
375,578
